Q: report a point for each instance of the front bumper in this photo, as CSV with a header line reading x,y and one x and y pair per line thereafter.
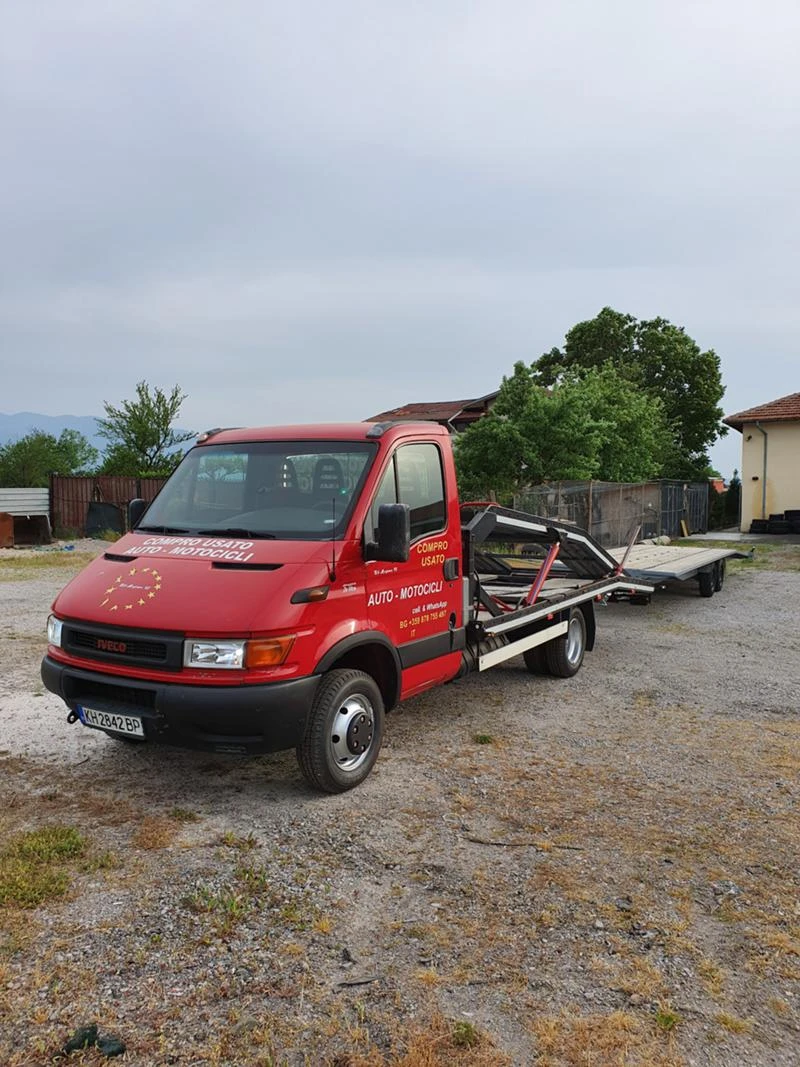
x,y
234,719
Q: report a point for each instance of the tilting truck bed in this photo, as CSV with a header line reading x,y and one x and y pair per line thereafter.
x,y
515,603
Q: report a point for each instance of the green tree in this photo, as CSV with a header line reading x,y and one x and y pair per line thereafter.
x,y
140,434
661,359
594,425
28,462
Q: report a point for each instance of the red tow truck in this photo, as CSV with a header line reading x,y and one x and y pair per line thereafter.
x,y
290,585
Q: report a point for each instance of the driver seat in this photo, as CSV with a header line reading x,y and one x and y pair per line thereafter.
x,y
328,477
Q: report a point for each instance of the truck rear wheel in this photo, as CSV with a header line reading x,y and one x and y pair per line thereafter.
x,y
564,656
343,732
535,660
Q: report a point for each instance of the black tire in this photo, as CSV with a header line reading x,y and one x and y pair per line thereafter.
x,y
719,575
640,598
706,581
535,660
565,655
343,731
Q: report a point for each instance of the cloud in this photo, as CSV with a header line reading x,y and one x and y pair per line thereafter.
x,y
415,195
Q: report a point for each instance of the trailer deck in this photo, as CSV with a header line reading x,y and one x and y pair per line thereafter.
x,y
659,564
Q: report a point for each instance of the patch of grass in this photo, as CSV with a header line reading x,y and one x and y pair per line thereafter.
x,y
28,564
154,831
734,1023
439,1042
779,1007
226,905
483,739
711,975
184,815
238,841
569,1040
33,866
465,1035
666,1019
641,977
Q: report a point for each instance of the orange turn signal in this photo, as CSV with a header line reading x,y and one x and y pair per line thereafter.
x,y
268,651
310,596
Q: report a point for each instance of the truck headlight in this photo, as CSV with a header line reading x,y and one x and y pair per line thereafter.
x,y
223,655
235,655
54,631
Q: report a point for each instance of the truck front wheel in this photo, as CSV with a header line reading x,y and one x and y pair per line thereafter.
x,y
343,732
565,654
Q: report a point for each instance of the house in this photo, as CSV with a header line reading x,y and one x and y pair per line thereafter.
x,y
456,415
770,458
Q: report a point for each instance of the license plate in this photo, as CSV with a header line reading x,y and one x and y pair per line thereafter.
x,y
130,725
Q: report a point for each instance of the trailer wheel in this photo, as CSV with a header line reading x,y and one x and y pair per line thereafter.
x,y
565,655
719,577
707,582
343,732
535,660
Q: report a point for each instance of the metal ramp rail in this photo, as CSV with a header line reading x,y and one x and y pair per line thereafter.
x,y
506,595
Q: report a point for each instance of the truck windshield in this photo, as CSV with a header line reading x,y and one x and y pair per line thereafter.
x,y
291,490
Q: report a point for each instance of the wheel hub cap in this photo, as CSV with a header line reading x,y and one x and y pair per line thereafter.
x,y
353,731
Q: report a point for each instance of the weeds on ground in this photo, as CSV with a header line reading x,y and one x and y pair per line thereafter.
x,y
734,1023
574,1040
24,565
34,866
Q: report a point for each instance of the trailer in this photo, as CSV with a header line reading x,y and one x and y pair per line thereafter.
x,y
660,563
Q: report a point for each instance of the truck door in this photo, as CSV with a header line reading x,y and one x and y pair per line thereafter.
x,y
417,604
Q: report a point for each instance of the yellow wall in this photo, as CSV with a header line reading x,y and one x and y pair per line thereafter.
x,y
783,470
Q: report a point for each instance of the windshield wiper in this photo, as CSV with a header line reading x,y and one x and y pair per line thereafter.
x,y
161,529
236,531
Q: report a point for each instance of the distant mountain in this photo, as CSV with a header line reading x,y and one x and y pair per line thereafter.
x,y
12,427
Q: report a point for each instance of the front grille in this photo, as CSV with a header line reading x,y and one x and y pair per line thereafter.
x,y
156,650
110,644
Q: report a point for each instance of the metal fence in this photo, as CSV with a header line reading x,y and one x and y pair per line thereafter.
x,y
91,503
611,510
24,502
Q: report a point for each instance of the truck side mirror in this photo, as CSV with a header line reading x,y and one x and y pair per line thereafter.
x,y
136,508
394,534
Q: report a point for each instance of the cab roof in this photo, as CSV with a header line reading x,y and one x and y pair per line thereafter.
x,y
323,431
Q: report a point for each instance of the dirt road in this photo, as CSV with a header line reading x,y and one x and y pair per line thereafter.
x,y
595,871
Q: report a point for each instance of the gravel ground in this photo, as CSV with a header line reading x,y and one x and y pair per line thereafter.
x,y
597,871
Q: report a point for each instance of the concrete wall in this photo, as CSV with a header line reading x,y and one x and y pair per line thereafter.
x,y
781,489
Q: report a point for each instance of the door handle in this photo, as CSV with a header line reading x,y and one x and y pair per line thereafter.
x,y
451,569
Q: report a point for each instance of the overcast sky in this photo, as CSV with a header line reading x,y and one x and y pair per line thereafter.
x,y
321,210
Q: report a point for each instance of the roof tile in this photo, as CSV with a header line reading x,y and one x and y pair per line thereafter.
x,y
786,408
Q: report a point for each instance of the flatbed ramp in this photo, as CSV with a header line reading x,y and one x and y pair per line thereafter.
x,y
663,563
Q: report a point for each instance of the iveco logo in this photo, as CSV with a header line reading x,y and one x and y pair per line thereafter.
x,y
111,646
